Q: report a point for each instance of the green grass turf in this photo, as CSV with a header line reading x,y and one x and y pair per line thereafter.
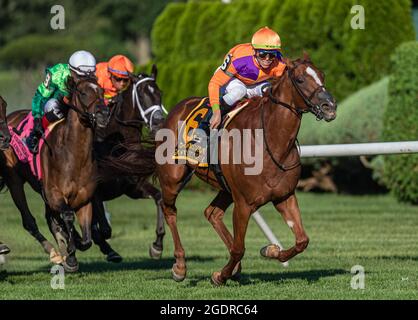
x,y
373,231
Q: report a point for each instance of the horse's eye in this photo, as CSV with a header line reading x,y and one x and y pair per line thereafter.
x,y
300,80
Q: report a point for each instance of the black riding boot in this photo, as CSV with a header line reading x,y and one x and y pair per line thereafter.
x,y
32,141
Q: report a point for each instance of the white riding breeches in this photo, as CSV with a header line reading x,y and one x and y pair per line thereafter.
x,y
54,106
236,90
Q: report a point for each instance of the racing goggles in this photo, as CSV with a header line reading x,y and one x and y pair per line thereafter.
x,y
269,54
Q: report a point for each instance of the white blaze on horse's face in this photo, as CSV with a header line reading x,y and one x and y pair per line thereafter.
x,y
314,75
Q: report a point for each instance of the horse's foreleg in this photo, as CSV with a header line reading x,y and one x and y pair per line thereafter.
x,y
143,190
240,218
99,216
84,217
214,213
170,179
290,212
105,248
99,236
15,185
156,248
67,215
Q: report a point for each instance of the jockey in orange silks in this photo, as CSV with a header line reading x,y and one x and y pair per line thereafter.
x,y
245,72
114,76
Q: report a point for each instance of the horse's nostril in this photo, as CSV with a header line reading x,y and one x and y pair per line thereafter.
x,y
325,107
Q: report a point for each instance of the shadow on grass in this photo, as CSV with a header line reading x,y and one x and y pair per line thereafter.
x,y
143,264
395,257
249,279
104,266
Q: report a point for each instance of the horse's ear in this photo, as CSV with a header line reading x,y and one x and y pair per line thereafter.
x,y
3,103
306,56
154,71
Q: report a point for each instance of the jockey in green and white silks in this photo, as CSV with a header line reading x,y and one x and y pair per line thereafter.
x,y
49,96
54,87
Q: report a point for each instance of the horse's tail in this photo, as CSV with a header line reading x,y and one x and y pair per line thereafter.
x,y
134,160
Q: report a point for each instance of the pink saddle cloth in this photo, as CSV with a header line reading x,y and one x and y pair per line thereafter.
x,y
18,143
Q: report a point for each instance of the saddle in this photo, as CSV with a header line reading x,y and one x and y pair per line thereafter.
x,y
18,143
198,153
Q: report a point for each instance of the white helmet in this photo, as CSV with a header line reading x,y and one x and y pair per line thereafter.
x,y
82,62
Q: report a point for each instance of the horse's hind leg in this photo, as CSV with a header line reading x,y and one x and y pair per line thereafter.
x,y
290,212
215,213
170,177
15,185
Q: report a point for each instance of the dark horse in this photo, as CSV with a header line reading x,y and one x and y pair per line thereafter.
x,y
69,173
122,139
300,89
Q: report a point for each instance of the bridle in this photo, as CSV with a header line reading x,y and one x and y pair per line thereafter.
x,y
137,103
84,114
314,108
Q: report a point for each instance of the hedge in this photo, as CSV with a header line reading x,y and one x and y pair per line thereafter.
x,y
202,32
401,122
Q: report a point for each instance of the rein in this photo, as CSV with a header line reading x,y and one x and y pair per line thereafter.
x,y
315,109
280,165
85,114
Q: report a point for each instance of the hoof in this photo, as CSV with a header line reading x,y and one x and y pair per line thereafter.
x,y
177,274
114,257
216,279
270,251
154,252
55,257
70,264
236,274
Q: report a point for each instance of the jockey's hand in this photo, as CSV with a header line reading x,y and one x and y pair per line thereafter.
x,y
215,120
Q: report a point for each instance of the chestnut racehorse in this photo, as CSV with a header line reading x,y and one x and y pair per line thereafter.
x,y
299,90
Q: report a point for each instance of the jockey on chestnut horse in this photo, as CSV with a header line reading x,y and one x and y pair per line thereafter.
x,y
275,107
